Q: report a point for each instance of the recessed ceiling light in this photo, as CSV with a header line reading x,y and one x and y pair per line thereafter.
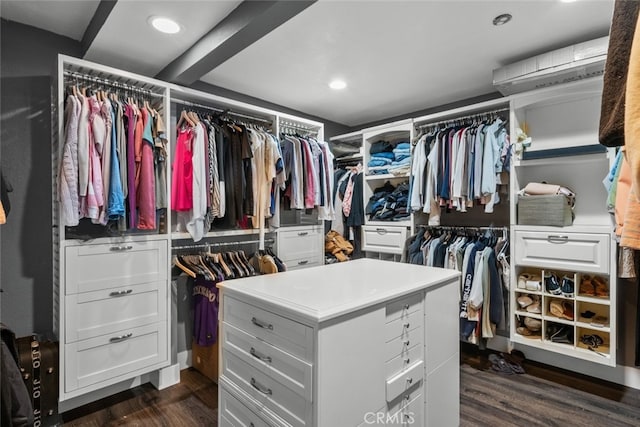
x,y
164,25
502,19
337,84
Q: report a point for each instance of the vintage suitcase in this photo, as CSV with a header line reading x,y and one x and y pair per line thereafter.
x,y
38,362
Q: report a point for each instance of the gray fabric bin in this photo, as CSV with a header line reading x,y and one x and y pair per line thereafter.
x,y
544,210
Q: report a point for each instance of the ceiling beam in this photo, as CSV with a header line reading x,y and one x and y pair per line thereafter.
x,y
246,24
95,25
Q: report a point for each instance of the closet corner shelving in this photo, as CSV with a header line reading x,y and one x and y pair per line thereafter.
x,y
384,239
111,289
563,122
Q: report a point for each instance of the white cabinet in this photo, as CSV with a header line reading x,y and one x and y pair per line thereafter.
x,y
297,347
301,246
384,231
114,313
562,122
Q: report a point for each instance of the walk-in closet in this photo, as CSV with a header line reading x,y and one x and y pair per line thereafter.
x,y
244,213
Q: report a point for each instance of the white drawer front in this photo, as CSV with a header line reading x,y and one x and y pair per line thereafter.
x,y
91,314
236,414
566,251
401,326
291,406
403,307
300,243
287,334
304,262
387,239
126,352
409,411
404,381
402,361
401,345
285,368
104,266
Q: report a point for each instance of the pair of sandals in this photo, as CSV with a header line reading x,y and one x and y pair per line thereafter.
x,y
531,304
594,286
507,364
593,340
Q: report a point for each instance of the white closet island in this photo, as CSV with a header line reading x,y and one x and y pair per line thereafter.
x,y
365,342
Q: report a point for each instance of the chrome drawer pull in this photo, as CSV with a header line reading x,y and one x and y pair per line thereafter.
x,y
120,248
409,380
255,354
120,293
303,262
262,325
407,360
557,239
406,343
303,233
121,337
406,325
381,230
260,388
407,397
406,306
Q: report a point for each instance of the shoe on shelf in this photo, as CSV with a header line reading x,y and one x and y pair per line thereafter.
x,y
587,314
601,289
524,301
534,308
534,325
567,310
567,286
600,321
586,286
563,335
522,280
533,283
555,307
552,285
524,331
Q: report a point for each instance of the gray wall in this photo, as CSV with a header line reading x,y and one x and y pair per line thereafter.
x,y
28,61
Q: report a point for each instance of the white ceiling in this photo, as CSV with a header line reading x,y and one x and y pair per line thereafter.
x,y
399,56
128,42
396,56
68,18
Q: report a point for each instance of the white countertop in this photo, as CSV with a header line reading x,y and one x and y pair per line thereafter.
x,y
325,292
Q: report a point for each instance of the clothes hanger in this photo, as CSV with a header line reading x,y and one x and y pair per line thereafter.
x,y
177,262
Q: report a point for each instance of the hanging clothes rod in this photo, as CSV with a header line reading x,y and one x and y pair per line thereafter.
x,y
220,110
470,116
220,244
464,227
111,83
294,125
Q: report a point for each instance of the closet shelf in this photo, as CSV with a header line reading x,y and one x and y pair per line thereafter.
x,y
586,325
575,228
385,176
601,301
406,223
179,235
555,319
560,156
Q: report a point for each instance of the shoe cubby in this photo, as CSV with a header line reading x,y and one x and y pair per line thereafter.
x,y
529,281
559,310
593,287
594,340
559,333
528,326
558,283
593,315
528,304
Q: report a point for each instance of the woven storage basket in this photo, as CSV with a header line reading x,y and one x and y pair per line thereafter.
x,y
544,210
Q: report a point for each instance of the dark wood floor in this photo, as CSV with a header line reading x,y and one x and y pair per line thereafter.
x,y
544,396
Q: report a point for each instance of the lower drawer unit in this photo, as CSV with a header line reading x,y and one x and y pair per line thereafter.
x,y
301,243
109,356
92,314
285,368
387,239
304,262
287,334
286,403
234,413
566,251
403,360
